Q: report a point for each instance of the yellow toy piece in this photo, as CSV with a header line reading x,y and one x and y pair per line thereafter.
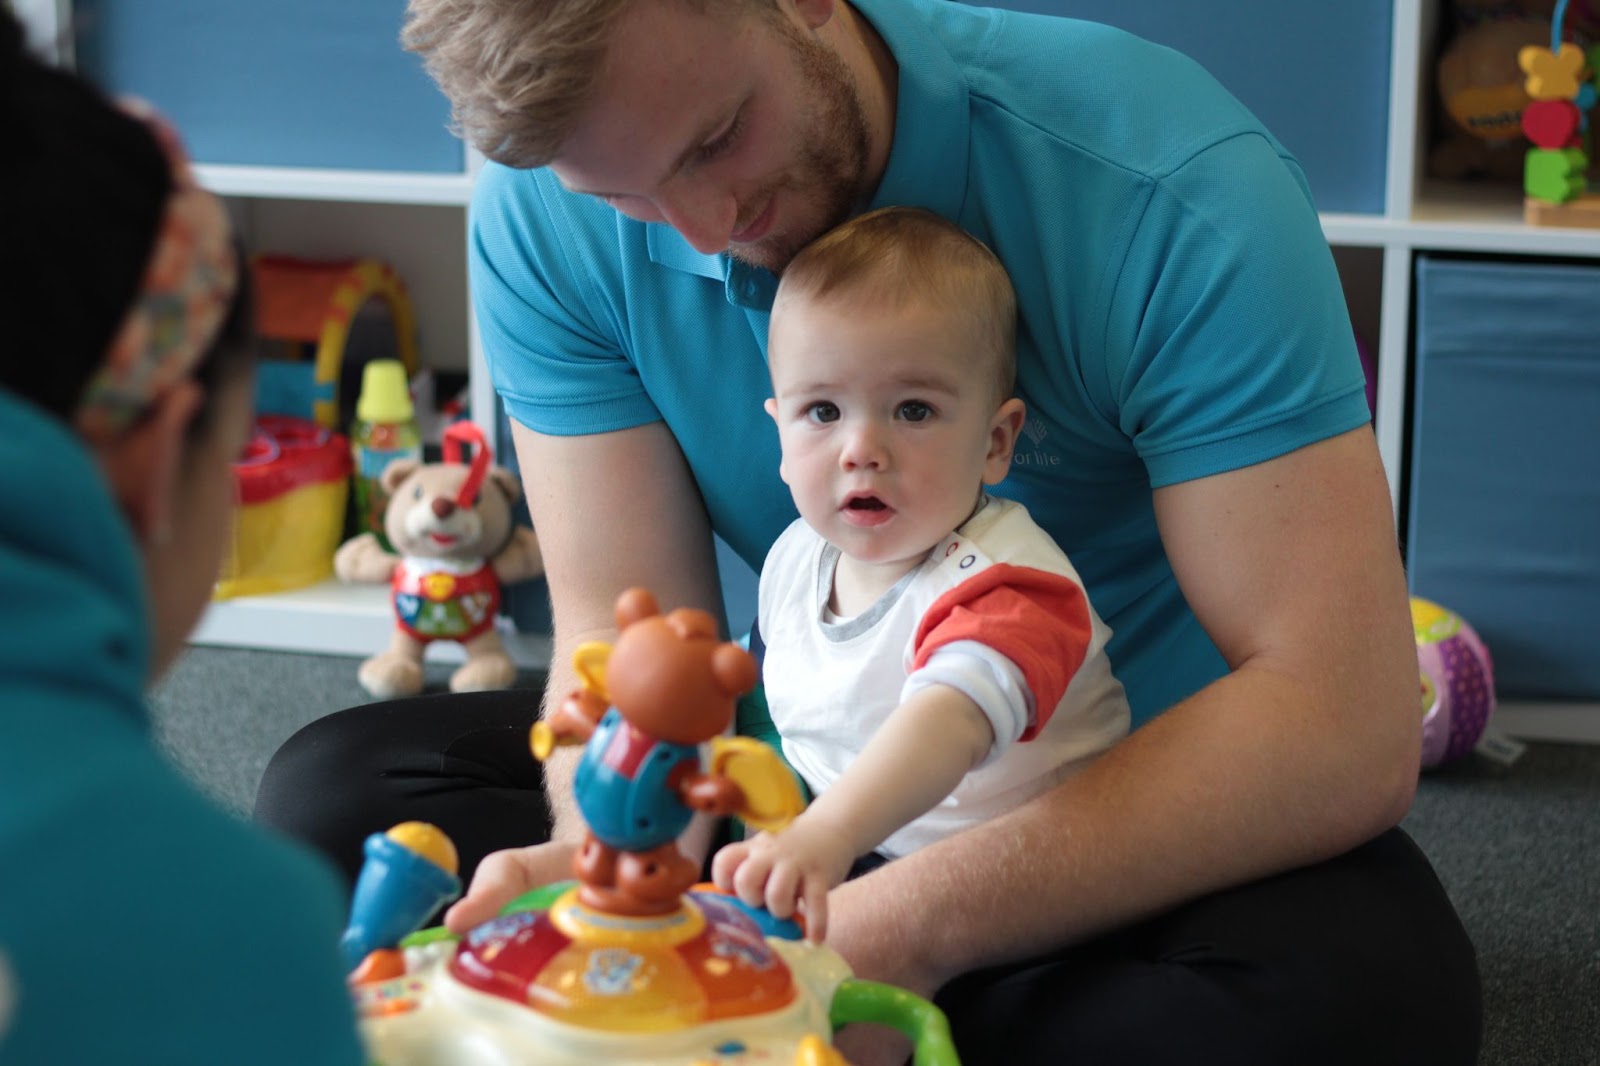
x,y
772,797
541,740
590,662
813,1052
649,933
428,841
1552,75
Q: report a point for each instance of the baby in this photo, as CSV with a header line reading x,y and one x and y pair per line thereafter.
x,y
932,659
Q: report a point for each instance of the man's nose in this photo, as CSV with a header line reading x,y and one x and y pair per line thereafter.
x,y
704,217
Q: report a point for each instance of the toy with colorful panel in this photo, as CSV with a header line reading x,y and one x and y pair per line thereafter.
x,y
631,963
1560,83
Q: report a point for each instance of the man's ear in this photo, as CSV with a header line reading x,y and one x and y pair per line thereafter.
x,y
144,464
1004,429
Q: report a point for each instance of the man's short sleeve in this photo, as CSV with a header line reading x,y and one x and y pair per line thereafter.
x,y
1228,341
553,350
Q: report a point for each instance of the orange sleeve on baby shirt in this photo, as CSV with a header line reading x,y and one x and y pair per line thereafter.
x,y
1037,619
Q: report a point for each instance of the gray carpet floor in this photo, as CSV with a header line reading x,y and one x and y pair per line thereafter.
x,y
1518,848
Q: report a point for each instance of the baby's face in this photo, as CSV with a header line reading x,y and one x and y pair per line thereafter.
x,y
888,422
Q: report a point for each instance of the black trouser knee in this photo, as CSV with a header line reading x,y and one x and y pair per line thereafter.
x,y
1358,960
460,761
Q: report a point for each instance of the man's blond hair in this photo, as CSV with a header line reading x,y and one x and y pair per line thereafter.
x,y
897,257
519,72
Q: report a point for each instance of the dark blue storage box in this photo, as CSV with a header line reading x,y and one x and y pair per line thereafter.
x,y
1505,483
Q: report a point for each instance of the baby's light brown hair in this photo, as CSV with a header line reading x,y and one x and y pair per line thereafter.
x,y
898,257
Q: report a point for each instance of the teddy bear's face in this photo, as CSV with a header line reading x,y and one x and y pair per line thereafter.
x,y
424,519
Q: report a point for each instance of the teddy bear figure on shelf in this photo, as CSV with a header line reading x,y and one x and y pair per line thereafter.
x,y
457,542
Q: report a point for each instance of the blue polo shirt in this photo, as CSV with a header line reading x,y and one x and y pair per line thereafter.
x,y
1180,314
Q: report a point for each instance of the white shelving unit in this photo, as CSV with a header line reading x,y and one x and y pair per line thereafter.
x,y
1375,253
417,223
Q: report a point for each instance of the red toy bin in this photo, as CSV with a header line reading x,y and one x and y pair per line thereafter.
x,y
291,480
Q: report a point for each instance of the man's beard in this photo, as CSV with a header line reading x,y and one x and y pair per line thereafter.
x,y
827,178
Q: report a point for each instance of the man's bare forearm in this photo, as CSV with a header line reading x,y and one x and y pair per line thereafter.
x,y
566,824
1247,778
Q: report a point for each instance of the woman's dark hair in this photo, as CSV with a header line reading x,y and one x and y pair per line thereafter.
x,y
82,191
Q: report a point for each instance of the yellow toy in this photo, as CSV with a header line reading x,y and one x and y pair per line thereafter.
x,y
292,481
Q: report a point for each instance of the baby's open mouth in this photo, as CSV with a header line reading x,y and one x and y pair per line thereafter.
x,y
866,503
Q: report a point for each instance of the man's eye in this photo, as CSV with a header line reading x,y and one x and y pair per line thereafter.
x,y
915,411
822,411
713,149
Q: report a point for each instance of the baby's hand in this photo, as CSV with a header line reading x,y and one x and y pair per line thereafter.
x,y
797,865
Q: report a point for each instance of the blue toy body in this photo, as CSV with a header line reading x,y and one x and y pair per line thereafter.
x,y
627,786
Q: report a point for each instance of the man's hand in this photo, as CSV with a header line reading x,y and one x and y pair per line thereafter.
x,y
505,875
778,870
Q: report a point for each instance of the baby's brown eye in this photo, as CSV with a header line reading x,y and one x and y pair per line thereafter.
x,y
915,411
823,412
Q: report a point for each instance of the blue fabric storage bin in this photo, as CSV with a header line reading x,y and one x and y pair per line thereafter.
x,y
291,83
1505,472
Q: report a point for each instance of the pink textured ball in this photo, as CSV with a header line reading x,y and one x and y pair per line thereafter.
x,y
1457,682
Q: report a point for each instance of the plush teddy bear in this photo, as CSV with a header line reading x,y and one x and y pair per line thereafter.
x,y
452,525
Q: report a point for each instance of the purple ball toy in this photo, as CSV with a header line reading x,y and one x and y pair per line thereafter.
x,y
1457,683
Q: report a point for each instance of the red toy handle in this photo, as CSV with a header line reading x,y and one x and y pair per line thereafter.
x,y
465,432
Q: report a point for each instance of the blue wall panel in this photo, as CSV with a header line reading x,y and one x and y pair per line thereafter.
x,y
319,83
303,83
1316,73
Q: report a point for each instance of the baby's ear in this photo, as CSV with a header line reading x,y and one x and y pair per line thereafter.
x,y
771,407
1004,429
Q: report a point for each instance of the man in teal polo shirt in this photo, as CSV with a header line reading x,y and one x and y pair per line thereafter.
x,y
1226,883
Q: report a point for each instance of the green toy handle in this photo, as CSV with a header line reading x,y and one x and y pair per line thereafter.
x,y
925,1024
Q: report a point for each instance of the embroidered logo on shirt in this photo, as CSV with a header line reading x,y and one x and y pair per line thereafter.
x,y
1037,456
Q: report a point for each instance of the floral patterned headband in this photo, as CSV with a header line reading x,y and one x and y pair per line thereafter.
x,y
183,297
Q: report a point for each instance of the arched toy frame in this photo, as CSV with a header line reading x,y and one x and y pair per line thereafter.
x,y
315,301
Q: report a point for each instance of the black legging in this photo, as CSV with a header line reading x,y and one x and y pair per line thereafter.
x,y
1360,961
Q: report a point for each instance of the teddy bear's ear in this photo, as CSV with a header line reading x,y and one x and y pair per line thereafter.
x,y
635,605
734,668
397,472
508,482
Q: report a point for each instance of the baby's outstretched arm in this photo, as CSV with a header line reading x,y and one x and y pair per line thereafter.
x,y
914,761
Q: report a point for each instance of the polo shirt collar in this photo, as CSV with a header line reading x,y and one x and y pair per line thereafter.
x,y
928,160
751,288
